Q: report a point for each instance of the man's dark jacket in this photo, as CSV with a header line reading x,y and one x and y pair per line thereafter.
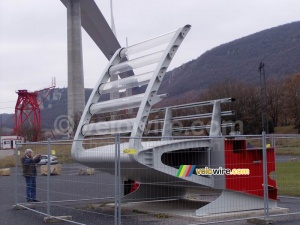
x,y
29,166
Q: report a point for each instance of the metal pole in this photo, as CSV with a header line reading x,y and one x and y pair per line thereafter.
x,y
116,180
16,174
119,180
265,100
263,93
260,68
48,178
273,140
265,175
209,157
274,146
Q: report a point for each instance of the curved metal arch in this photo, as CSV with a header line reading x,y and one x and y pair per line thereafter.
x,y
149,99
151,92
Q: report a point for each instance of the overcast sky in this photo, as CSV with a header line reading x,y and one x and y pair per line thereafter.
x,y
33,34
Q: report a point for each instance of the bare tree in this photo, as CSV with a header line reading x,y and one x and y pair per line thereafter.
x,y
30,133
275,100
292,99
247,104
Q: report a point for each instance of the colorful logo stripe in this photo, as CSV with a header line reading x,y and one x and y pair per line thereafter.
x,y
185,170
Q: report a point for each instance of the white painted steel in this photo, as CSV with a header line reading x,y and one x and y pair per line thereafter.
x,y
194,104
129,82
163,39
191,117
116,104
154,84
110,127
135,63
115,66
86,116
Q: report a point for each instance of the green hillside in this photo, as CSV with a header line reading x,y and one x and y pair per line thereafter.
x,y
238,60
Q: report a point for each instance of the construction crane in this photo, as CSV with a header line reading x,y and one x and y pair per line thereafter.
x,y
28,109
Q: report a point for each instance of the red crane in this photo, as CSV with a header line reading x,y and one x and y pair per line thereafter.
x,y
28,109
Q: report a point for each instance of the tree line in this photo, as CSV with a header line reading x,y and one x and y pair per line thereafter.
x,y
282,102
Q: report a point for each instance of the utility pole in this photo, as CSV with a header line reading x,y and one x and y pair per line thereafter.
x,y
263,94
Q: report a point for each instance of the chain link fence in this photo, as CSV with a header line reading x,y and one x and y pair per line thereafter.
x,y
166,186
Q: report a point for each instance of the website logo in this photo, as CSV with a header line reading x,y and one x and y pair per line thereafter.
x,y
186,170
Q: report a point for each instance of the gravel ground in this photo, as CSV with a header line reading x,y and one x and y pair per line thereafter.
x,y
70,186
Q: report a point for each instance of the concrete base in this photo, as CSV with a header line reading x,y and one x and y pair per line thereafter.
x,y
244,214
5,172
24,207
260,221
187,208
54,169
231,201
56,219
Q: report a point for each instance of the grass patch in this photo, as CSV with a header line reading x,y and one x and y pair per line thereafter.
x,y
294,151
287,177
284,146
288,146
7,162
285,130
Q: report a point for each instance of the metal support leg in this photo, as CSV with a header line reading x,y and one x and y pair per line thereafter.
x,y
265,175
117,181
48,178
16,174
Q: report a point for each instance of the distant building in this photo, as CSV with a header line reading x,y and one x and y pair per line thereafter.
x,y
9,142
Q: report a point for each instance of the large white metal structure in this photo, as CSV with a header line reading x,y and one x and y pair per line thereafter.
x,y
155,162
162,58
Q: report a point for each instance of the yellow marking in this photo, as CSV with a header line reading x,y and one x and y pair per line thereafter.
x,y
130,151
53,152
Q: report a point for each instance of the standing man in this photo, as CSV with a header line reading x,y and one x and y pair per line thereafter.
x,y
29,163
